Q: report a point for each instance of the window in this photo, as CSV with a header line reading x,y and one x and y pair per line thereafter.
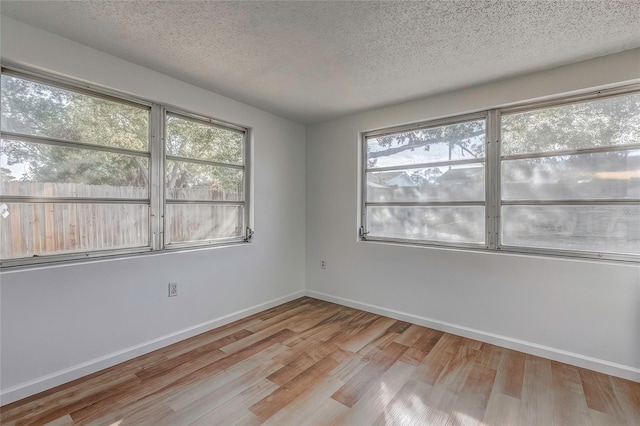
x,y
571,176
205,181
427,184
564,179
77,175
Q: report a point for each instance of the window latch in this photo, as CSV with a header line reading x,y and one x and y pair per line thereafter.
x,y
363,235
248,233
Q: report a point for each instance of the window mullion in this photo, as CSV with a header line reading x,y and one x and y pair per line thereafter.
x,y
363,185
493,180
246,151
157,177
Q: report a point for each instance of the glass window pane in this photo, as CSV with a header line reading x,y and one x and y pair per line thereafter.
x,y
192,139
38,229
607,175
451,142
605,229
194,181
455,224
447,183
36,109
603,122
201,222
33,169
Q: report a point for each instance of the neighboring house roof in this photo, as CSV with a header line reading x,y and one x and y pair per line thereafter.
x,y
391,179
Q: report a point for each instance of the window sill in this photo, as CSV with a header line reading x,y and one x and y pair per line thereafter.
x,y
73,260
517,252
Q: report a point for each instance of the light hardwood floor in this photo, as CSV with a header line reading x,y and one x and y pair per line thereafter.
x,y
310,362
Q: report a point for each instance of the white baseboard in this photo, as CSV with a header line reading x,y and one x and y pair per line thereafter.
x,y
57,378
595,364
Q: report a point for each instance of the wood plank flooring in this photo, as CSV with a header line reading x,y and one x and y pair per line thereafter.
x,y
310,362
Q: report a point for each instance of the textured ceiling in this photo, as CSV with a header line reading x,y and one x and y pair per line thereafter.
x,y
311,61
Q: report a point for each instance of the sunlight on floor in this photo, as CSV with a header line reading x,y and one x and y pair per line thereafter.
x,y
413,410
463,420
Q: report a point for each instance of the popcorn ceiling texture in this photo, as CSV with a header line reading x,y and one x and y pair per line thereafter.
x,y
311,61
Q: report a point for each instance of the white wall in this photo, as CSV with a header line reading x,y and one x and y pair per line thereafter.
x,y
58,323
578,311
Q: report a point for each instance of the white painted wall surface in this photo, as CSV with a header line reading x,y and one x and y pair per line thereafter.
x,y
58,323
579,311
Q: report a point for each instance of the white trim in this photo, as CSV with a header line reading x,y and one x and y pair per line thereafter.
x,y
578,360
57,378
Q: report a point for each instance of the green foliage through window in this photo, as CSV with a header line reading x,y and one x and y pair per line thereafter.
x,y
75,174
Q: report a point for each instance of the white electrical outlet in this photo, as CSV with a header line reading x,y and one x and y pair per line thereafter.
x,y
323,264
173,289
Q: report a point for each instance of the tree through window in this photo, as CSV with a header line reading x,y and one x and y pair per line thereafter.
x,y
561,178
81,174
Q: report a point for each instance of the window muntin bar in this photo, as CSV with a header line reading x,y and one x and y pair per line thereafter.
x,y
427,165
572,152
206,162
71,144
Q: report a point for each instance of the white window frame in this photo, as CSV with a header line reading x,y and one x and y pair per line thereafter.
x,y
493,164
418,126
156,156
166,112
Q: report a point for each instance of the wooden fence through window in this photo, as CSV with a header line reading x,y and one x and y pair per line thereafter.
x,y
35,229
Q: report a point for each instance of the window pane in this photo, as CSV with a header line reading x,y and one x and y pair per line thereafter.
x,y
605,229
36,109
603,122
33,169
201,222
447,183
37,229
191,139
193,181
463,224
585,176
451,142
